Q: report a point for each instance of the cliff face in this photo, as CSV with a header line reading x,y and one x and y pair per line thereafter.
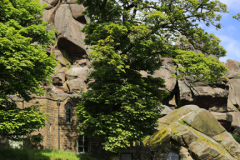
x,y
67,19
72,74
223,101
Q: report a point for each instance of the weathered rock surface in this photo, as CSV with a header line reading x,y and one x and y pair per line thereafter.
x,y
61,59
76,85
165,72
185,93
57,89
59,78
197,130
176,114
50,3
77,10
71,1
234,70
184,154
77,72
166,110
213,98
225,119
49,14
229,143
236,122
234,95
68,31
204,122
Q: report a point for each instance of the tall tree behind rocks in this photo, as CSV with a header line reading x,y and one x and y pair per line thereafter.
x,y
129,36
24,64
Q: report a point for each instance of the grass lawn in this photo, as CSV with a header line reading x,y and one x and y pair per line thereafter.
x,y
36,154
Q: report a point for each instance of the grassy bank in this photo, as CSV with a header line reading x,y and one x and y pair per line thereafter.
x,y
36,154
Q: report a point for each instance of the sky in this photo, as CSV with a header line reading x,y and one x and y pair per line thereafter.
x,y
229,34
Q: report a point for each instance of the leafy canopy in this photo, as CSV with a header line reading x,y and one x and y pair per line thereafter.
x,y
237,16
24,64
130,36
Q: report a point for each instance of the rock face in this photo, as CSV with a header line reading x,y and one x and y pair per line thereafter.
x,y
67,18
225,119
166,110
234,85
198,131
72,53
211,97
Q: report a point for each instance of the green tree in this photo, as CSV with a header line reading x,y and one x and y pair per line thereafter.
x,y
129,36
24,64
237,16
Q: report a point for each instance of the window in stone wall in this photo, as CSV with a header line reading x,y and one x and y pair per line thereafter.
x,y
83,144
3,139
172,156
68,113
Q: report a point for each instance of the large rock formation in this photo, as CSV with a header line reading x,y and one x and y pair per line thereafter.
x,y
198,132
65,16
72,74
183,92
72,53
234,85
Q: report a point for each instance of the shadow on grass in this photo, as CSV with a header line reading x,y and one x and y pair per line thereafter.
x,y
22,154
36,154
85,157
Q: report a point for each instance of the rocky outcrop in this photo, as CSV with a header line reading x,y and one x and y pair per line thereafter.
x,y
234,70
234,95
198,131
234,85
67,18
166,110
50,3
183,92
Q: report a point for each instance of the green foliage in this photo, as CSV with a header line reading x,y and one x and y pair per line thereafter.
x,y
183,123
21,121
67,59
237,16
202,68
24,64
175,132
236,138
36,139
130,36
146,137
